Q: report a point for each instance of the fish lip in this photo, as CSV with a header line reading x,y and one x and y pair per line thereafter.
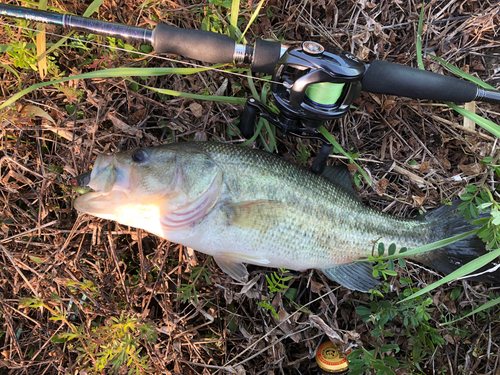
x,y
110,175
101,164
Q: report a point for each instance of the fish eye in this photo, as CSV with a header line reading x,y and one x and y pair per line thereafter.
x,y
139,156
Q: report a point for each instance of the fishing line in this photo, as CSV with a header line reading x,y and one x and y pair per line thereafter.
x,y
146,55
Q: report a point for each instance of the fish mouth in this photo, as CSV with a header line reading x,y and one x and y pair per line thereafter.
x,y
100,204
104,174
110,182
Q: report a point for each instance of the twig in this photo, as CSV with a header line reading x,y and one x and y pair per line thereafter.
x,y
28,231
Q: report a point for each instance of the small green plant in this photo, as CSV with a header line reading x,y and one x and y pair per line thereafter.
x,y
413,315
373,359
86,287
386,310
107,347
188,291
381,267
478,199
275,284
114,345
474,199
303,154
22,54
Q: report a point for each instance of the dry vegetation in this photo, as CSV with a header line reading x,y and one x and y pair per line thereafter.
x,y
80,272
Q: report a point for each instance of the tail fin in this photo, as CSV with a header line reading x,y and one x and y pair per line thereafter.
x,y
448,223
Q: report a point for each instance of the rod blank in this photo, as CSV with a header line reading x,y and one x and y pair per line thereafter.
x,y
89,25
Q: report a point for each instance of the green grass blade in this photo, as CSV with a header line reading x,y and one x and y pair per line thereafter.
x,y
460,73
462,271
420,61
482,122
487,305
254,16
428,247
233,21
57,45
93,7
108,73
52,9
254,91
338,148
213,98
13,71
260,124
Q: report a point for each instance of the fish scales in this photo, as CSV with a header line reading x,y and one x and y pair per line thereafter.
x,y
326,220
248,206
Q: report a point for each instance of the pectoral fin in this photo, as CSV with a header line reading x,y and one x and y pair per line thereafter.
x,y
236,270
259,215
354,276
232,263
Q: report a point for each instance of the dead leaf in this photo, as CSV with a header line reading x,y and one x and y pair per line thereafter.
x,y
449,339
318,322
478,65
196,109
120,125
419,201
362,53
34,111
316,287
424,167
471,169
388,104
381,186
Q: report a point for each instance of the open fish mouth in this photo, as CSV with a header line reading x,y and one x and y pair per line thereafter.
x,y
109,183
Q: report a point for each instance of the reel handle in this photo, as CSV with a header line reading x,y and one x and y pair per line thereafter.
x,y
247,119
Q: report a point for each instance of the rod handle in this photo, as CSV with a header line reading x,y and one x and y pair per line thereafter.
x,y
194,44
383,77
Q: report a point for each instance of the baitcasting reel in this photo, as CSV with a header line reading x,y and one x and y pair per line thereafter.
x,y
310,86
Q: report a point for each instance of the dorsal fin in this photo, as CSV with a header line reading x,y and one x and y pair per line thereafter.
x,y
339,174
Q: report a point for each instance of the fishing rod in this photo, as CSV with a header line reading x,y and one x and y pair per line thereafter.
x,y
311,83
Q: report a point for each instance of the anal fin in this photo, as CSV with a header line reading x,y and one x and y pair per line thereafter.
x,y
354,276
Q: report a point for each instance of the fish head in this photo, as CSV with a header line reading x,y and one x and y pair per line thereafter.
x,y
142,186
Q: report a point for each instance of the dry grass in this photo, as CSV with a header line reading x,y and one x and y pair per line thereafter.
x,y
47,249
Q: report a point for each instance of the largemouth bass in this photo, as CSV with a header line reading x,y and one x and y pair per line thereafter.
x,y
248,206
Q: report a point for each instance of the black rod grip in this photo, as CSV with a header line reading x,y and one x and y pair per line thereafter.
x,y
383,77
266,56
194,44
